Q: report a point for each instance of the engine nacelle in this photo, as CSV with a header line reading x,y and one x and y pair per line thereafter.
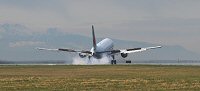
x,y
82,55
124,55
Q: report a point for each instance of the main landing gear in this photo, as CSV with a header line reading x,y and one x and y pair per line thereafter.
x,y
113,61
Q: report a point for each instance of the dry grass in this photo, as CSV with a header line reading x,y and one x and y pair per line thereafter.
x,y
101,77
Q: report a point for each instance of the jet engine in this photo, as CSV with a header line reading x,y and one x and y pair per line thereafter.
x,y
124,55
82,55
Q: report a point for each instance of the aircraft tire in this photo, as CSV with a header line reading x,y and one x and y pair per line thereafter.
x,y
113,62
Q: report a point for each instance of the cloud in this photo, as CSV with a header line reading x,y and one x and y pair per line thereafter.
x,y
26,43
172,22
71,14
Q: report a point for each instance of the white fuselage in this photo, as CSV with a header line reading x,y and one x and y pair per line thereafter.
x,y
104,45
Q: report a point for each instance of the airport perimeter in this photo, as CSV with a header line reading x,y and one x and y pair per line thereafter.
x,y
99,77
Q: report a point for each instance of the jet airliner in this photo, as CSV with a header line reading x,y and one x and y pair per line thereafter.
x,y
104,47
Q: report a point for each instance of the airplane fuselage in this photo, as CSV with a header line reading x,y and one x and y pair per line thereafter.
x,y
104,45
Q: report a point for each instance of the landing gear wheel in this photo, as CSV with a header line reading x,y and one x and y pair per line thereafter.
x,y
113,62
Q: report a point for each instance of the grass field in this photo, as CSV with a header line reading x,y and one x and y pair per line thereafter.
x,y
101,77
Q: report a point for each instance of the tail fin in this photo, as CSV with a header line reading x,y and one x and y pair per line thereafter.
x,y
94,39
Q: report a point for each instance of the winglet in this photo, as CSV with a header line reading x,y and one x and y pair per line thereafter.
x,y
94,39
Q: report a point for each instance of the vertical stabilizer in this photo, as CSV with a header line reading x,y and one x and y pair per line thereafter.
x,y
94,39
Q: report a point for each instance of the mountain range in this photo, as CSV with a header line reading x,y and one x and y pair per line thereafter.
x,y
17,43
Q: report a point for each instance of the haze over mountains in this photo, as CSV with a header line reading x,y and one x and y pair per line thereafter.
x,y
17,44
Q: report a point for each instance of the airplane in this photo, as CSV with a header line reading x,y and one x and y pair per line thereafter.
x,y
104,47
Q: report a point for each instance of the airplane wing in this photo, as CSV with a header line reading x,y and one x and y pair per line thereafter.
x,y
112,52
134,50
66,50
127,51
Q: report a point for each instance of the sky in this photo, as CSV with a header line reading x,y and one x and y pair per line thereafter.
x,y
165,22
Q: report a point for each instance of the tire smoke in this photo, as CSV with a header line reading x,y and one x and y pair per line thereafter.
x,y
92,61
